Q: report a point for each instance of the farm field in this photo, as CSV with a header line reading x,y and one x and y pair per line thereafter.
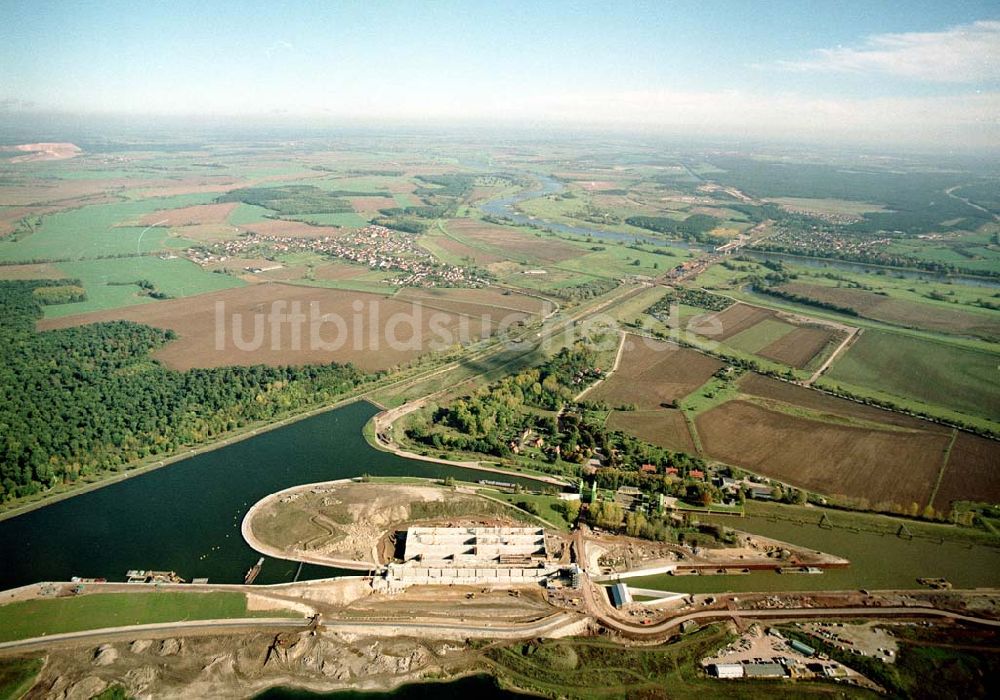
x,y
112,284
95,231
769,334
738,318
889,468
760,335
925,370
512,243
38,271
971,474
933,317
844,207
664,427
652,373
769,389
290,229
34,618
801,347
377,332
477,299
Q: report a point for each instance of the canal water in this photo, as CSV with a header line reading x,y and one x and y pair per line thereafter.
x,y
878,561
186,517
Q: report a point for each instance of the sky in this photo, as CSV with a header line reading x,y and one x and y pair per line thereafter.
x,y
913,71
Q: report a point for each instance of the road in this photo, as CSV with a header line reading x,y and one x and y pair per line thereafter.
x,y
549,625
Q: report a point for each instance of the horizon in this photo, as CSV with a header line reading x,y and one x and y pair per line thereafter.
x,y
831,75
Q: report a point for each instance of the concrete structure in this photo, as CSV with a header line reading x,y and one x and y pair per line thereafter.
x,y
475,547
726,670
472,556
619,595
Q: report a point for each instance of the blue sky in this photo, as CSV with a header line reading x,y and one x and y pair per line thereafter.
x,y
752,66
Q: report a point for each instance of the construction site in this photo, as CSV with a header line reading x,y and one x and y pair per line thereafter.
x,y
473,555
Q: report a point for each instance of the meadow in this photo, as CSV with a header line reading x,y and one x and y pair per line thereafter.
x,y
925,370
112,283
34,618
96,231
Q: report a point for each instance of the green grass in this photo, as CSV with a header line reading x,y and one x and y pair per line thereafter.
x,y
245,214
96,231
110,283
760,335
929,371
17,676
544,504
618,261
34,618
592,668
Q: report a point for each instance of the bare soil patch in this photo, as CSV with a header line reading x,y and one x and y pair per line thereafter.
x,y
40,271
44,151
338,271
513,243
738,318
383,334
351,522
972,473
774,389
478,256
488,296
800,346
291,229
196,215
666,428
652,373
858,463
370,205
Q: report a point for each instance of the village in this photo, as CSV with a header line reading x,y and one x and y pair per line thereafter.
x,y
378,247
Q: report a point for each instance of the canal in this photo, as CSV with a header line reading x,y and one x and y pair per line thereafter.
x,y
186,517
878,560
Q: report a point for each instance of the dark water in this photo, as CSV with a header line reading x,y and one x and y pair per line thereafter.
x,y
479,687
878,561
504,207
186,517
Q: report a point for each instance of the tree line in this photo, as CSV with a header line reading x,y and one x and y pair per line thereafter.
x,y
80,401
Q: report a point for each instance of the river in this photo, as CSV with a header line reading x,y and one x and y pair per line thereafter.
x,y
504,207
186,517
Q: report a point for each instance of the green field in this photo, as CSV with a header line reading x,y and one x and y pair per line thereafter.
x,y
17,676
618,261
600,668
96,231
925,370
110,284
245,214
760,335
34,618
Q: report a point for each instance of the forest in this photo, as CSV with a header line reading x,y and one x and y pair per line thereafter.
x,y
79,401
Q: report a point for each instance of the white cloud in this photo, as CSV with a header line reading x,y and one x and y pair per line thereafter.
x,y
966,53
